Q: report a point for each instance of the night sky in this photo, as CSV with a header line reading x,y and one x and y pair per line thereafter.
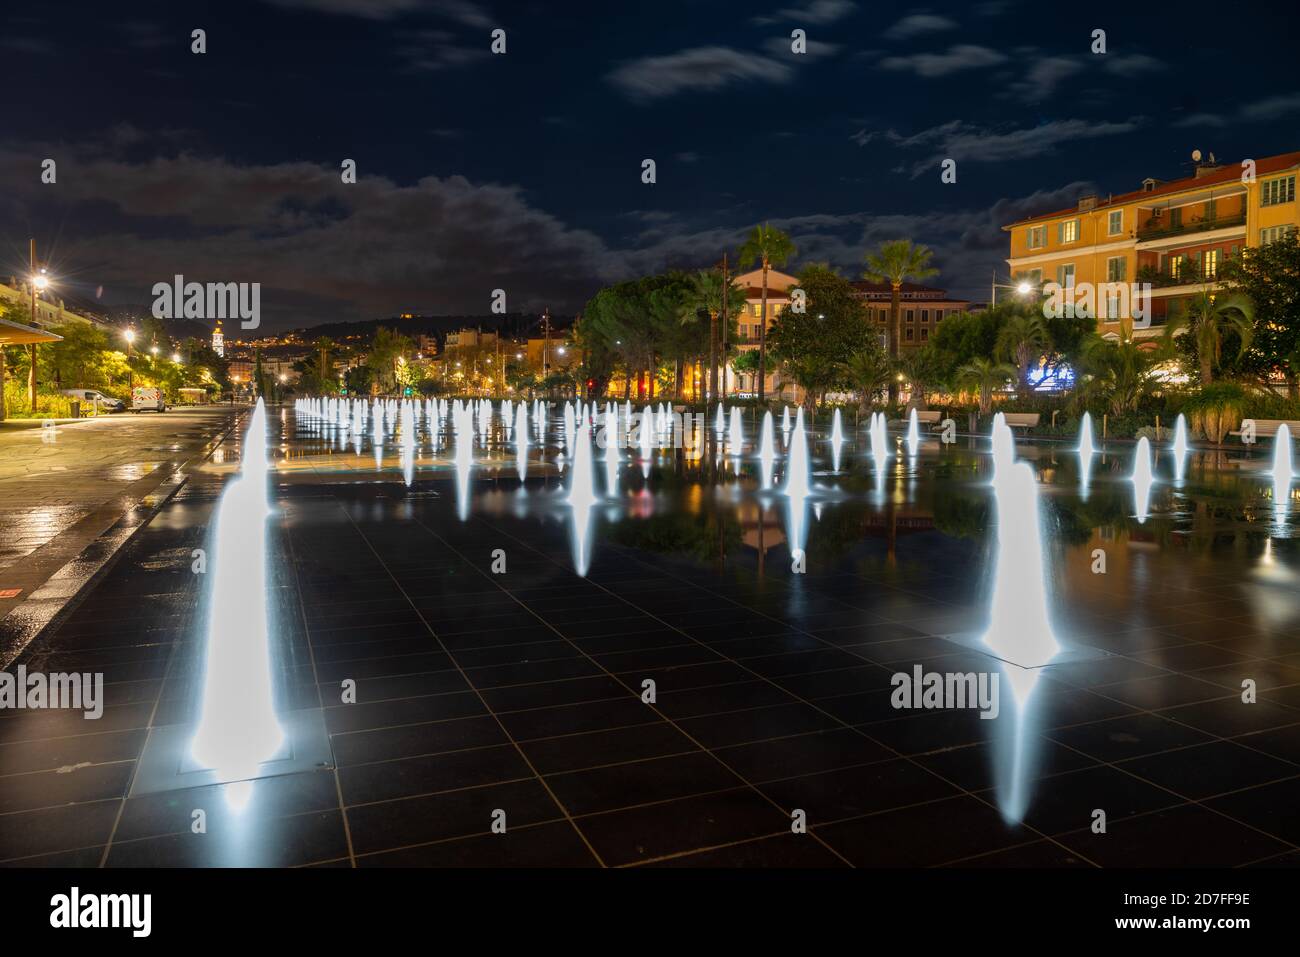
x,y
523,171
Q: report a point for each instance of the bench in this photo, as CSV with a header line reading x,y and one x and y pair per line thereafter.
x,y
1268,427
1021,420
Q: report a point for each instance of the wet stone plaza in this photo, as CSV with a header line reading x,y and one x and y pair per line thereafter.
x,y
454,634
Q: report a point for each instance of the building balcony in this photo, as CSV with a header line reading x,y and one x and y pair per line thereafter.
x,y
1161,229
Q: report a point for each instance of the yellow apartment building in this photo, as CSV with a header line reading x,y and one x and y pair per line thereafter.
x,y
1174,235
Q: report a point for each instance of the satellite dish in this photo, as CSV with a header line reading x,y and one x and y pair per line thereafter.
x,y
1196,155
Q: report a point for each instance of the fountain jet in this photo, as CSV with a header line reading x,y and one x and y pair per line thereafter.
x,y
837,440
767,450
238,730
1282,471
1180,447
1142,479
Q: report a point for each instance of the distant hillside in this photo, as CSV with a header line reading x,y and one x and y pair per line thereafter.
x,y
513,325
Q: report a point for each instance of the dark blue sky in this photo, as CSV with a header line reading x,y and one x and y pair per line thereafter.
x,y
522,171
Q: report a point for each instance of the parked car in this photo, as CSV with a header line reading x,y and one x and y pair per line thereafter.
x,y
91,398
147,399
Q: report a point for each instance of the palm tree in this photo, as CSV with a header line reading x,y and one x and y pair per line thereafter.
x,y
1022,340
1121,370
868,371
324,346
705,294
983,376
1207,318
896,262
770,247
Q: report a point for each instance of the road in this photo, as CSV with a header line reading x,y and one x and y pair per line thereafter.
x,y
61,489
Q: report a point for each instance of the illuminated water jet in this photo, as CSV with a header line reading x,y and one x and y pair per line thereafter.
x,y
581,498
767,450
1282,470
837,440
913,433
238,729
1142,479
1180,446
521,441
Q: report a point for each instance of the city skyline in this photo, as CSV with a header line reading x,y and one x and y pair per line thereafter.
x,y
522,171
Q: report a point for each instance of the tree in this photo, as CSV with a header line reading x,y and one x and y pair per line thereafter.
x,y
770,247
983,376
386,348
867,372
1269,276
324,345
922,370
897,262
1022,340
814,344
704,296
1121,371
1208,319
358,380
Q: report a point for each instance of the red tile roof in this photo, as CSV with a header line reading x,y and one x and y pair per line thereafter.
x,y
882,290
1226,174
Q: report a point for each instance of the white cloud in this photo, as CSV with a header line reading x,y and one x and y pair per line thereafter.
x,y
968,143
918,24
1272,108
701,68
818,12
960,57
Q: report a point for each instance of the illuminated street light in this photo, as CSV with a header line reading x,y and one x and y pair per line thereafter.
x,y
1023,288
41,281
176,357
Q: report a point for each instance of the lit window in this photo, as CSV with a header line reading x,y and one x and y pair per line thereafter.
x,y
1068,231
1274,192
1210,263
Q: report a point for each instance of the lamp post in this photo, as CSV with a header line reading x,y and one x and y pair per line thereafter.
x,y
39,282
1022,288
130,339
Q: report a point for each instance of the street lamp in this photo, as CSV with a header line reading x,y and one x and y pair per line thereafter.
x,y
176,357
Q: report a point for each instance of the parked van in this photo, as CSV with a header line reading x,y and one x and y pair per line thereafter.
x,y
147,399
93,398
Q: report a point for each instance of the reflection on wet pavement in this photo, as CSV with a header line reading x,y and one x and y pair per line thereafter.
x,y
517,681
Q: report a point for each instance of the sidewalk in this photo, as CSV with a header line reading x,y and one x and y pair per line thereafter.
x,y
93,482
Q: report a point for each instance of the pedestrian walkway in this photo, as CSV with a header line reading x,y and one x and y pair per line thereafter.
x,y
63,489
